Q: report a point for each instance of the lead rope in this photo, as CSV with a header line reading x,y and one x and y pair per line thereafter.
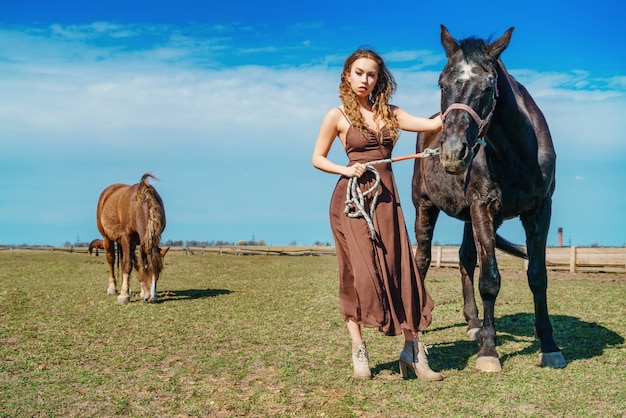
x,y
355,197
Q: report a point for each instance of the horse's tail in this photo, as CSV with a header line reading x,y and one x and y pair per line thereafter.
x,y
118,250
510,248
155,224
145,177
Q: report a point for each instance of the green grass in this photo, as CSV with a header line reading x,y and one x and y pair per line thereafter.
x,y
263,336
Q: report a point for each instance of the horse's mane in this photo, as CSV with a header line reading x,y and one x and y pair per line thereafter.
x,y
475,50
146,194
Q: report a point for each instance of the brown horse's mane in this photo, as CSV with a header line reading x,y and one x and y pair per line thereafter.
x,y
146,194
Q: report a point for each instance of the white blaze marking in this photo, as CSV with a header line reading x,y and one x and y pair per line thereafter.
x,y
153,288
465,71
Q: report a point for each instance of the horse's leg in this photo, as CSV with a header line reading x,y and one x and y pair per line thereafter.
x,y
467,265
536,225
426,215
488,285
109,247
127,266
141,274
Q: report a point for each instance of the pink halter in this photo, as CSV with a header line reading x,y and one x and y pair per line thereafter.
x,y
482,123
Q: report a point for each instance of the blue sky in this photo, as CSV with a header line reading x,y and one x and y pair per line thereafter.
x,y
223,104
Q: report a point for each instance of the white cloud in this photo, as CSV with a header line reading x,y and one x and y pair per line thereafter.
x,y
59,84
93,30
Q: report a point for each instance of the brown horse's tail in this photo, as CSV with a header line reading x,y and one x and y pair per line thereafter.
x,y
148,196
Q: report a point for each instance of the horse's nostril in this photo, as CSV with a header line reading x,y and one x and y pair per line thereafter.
x,y
462,152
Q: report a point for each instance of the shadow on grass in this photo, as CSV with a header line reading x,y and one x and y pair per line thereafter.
x,y
577,339
189,294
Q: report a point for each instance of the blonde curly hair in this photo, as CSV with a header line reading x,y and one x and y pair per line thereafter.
x,y
379,98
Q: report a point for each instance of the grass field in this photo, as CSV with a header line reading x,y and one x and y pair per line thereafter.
x,y
263,336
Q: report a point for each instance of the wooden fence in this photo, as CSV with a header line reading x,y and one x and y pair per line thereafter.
x,y
573,259
607,259
258,250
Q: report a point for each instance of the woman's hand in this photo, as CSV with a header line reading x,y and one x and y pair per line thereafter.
x,y
355,170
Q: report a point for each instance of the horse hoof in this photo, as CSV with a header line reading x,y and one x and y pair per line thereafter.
x,y
111,291
123,300
488,364
555,360
150,300
473,334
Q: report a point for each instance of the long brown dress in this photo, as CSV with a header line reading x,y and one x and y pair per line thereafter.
x,y
379,284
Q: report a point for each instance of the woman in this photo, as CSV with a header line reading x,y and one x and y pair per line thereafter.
x,y
379,284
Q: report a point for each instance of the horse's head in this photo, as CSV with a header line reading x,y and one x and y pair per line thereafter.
x,y
468,85
149,268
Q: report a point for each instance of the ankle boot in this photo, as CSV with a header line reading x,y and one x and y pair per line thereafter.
x,y
414,357
360,361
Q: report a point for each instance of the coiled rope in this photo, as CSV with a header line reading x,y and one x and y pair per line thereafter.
x,y
355,197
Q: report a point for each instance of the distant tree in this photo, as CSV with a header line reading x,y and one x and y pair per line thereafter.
x,y
321,244
170,243
220,243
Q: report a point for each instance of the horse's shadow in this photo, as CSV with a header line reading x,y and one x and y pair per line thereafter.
x,y
189,294
577,339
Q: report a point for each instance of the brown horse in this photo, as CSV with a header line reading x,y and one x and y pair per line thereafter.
x,y
133,215
96,244
497,162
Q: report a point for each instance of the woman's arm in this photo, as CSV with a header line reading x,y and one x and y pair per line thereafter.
x,y
408,122
328,132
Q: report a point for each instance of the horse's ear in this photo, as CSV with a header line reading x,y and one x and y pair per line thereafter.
x,y
500,44
448,42
164,251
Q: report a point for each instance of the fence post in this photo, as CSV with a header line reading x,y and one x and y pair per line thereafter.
x,y
439,256
572,259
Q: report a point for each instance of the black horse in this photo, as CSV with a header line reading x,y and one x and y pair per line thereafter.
x,y
496,162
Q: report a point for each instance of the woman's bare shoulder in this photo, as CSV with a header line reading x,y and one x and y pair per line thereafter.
x,y
335,112
336,117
